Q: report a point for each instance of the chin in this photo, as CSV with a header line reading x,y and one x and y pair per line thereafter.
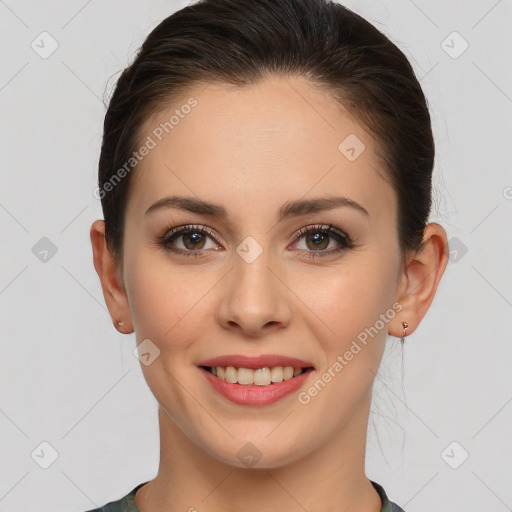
x,y
256,452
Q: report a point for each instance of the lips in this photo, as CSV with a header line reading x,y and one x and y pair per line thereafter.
x,y
262,361
263,391
253,395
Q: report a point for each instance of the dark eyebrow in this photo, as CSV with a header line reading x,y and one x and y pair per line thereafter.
x,y
305,206
288,209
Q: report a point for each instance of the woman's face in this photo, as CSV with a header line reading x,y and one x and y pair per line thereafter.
x,y
254,284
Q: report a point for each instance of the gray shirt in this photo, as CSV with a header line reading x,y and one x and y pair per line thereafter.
x,y
127,503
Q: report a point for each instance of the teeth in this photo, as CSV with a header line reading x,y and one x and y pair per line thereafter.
x,y
276,374
262,376
231,374
259,377
245,376
288,373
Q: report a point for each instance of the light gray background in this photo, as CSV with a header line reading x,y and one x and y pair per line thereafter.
x,y
68,378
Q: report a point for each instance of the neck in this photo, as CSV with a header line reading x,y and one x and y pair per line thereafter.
x,y
330,478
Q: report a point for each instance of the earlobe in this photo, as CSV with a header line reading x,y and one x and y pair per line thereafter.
x,y
107,268
421,275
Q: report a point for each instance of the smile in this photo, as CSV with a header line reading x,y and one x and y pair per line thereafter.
x,y
265,376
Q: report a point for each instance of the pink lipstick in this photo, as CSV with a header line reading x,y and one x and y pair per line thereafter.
x,y
260,380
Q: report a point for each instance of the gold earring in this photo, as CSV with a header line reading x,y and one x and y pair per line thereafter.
x,y
405,325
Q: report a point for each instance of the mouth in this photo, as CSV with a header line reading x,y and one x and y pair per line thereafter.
x,y
264,376
256,380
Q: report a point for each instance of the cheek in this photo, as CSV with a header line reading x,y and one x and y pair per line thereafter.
x,y
352,304
163,300
350,301
165,303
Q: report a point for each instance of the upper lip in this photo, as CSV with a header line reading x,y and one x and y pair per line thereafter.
x,y
262,361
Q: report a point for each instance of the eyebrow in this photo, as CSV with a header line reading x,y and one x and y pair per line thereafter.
x,y
288,209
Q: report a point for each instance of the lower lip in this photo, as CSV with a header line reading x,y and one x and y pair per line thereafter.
x,y
251,394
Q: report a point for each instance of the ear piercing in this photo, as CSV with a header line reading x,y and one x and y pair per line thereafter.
x,y
405,326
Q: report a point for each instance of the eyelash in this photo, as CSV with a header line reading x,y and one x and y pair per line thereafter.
x,y
338,235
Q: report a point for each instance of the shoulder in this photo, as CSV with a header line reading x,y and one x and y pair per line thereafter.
x,y
387,506
124,504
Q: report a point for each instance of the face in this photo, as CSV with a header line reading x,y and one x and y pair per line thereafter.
x,y
255,279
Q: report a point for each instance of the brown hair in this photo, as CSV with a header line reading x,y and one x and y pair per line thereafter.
x,y
240,42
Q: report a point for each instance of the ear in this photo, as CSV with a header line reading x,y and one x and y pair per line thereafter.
x,y
420,276
110,273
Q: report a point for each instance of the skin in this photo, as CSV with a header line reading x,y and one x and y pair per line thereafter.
x,y
269,143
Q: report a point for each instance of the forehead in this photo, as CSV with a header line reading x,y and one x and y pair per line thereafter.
x,y
276,135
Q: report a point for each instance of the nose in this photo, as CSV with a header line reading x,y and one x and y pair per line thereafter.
x,y
254,299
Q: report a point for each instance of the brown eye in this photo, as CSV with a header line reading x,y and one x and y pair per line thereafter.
x,y
188,239
193,240
318,238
